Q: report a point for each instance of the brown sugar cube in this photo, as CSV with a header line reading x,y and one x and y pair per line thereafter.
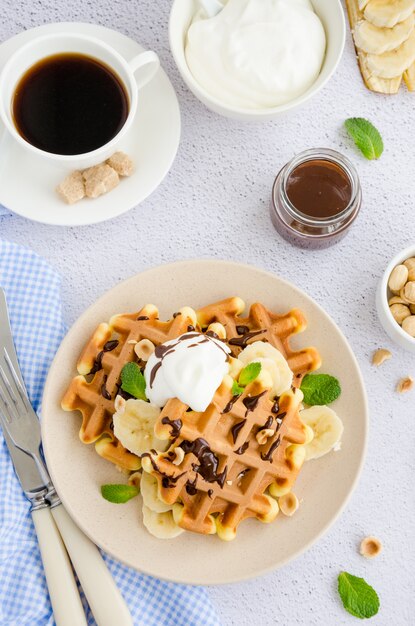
x,y
121,163
99,180
72,188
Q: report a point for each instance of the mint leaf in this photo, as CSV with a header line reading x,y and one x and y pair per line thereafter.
x,y
320,389
133,381
359,598
366,137
236,389
119,494
249,373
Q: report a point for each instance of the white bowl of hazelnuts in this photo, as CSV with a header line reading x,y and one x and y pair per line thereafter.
x,y
395,299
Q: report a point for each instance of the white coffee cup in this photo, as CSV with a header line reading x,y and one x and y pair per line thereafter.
x,y
134,74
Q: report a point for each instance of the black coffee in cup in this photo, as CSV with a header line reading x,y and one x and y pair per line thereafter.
x,y
69,104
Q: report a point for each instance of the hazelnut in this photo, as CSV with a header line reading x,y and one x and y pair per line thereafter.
x,y
380,356
398,278
404,385
119,404
218,329
408,325
288,504
410,265
409,292
370,547
178,456
144,349
263,435
400,312
135,479
396,300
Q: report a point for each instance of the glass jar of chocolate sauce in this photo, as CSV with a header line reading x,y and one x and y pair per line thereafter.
x,y
315,198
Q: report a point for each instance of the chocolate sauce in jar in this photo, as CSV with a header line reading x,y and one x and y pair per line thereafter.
x,y
316,198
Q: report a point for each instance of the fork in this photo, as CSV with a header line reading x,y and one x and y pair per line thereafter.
x,y
55,529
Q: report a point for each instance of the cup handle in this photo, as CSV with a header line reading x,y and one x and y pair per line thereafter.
x,y
146,64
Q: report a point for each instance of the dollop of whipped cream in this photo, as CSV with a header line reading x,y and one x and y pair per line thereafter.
x,y
257,53
190,368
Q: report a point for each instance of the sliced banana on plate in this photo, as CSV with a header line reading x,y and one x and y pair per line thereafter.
x,y
394,63
388,13
327,428
149,491
134,427
160,525
272,361
375,40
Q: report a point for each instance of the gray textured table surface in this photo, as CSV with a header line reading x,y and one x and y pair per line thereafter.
x,y
214,203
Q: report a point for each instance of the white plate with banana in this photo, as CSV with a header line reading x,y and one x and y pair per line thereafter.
x,y
143,532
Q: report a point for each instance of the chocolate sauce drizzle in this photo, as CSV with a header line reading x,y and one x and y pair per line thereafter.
x,y
104,391
190,328
267,456
228,408
142,317
242,449
267,424
208,461
110,345
167,480
97,366
276,406
176,426
251,402
242,341
242,330
236,429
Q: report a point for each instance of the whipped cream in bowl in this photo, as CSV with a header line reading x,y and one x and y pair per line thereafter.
x,y
257,58
189,368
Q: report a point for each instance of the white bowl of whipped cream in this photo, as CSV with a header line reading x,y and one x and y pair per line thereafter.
x,y
256,59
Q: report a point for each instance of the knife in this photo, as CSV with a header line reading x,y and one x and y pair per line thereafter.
x,y
57,533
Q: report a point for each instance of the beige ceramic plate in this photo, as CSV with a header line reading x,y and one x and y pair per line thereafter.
x,y
324,486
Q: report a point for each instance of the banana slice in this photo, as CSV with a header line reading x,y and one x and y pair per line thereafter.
x,y
149,491
273,362
160,525
387,13
327,427
375,40
134,427
394,63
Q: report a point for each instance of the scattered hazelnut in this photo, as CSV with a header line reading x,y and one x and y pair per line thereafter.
x,y
409,291
408,325
380,356
135,479
132,342
144,349
119,404
288,504
400,312
404,385
229,482
263,435
178,456
218,329
370,547
398,278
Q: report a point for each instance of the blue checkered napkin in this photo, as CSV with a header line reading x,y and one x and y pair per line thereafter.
x,y
32,290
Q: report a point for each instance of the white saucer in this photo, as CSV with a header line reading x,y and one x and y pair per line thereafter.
x,y
27,183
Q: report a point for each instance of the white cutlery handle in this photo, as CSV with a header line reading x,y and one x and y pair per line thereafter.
x,y
104,598
63,592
